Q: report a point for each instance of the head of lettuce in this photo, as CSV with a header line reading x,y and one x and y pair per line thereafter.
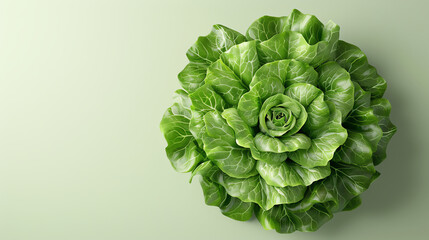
x,y
286,122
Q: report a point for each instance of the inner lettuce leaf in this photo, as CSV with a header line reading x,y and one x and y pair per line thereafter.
x,y
285,122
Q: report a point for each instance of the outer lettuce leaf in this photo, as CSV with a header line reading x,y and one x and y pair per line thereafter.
x,y
208,48
355,62
243,60
215,195
353,203
382,110
362,118
302,38
224,82
236,209
197,126
308,25
336,191
221,149
356,150
206,99
205,51
283,220
182,150
266,27
192,76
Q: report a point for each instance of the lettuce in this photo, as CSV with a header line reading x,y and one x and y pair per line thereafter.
x,y
286,122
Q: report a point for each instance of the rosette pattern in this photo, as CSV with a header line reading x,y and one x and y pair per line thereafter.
x,y
286,122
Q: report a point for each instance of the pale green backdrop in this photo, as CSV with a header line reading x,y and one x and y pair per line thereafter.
x,y
83,86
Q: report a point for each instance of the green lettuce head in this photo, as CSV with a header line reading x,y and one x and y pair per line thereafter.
x,y
286,122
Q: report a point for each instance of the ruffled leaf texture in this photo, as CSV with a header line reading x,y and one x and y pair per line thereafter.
x,y
286,122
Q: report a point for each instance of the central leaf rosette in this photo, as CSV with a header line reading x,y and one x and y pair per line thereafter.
x,y
281,115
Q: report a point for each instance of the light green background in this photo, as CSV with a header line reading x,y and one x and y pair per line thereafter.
x,y
83,86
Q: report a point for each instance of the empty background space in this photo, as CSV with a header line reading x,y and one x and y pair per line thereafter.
x,y
84,84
